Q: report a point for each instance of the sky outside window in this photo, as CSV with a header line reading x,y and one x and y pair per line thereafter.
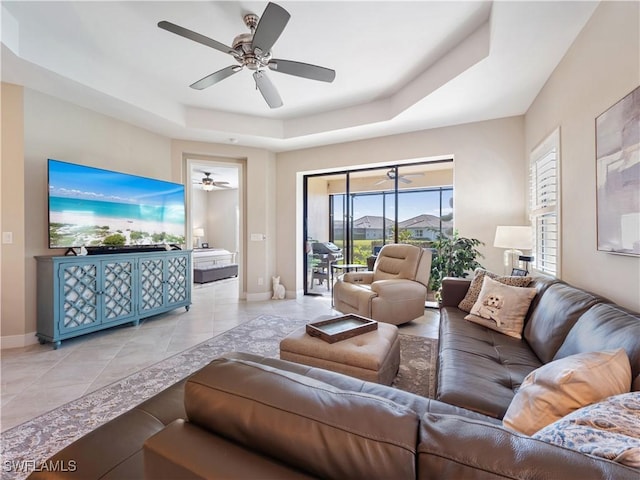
x,y
411,204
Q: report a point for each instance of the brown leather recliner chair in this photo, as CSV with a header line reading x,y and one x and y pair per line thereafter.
x,y
394,292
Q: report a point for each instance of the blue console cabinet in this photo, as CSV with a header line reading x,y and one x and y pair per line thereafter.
x,y
79,295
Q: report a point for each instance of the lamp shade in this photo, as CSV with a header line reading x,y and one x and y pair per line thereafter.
x,y
518,237
198,232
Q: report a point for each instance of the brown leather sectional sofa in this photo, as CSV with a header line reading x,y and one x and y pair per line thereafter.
x,y
480,369
252,417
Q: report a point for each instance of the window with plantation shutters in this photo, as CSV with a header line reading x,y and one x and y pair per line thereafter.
x,y
544,204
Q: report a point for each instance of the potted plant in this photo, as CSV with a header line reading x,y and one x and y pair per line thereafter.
x,y
453,256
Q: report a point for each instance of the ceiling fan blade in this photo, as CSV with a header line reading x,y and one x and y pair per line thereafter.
x,y
196,37
267,89
215,77
404,180
271,24
305,70
380,182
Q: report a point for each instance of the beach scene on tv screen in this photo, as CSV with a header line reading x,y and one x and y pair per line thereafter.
x,y
94,207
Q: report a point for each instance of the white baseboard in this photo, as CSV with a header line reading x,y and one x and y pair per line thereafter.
x,y
18,341
258,297
288,294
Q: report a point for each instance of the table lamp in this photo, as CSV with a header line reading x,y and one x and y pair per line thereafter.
x,y
514,239
198,233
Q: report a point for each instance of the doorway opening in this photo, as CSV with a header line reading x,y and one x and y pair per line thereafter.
x,y
215,220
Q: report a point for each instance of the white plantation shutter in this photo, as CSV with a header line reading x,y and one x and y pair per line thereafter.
x,y
544,204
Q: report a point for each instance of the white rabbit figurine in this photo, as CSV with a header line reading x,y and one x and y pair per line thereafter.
x,y
278,290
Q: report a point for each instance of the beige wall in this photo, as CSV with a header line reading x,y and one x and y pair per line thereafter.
x,y
12,218
602,66
222,216
489,173
217,213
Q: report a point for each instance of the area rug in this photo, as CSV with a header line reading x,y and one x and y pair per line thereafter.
x,y
30,443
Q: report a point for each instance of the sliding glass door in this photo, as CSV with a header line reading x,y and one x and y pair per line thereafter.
x,y
359,211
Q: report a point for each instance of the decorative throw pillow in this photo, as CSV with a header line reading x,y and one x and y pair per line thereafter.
x,y
609,429
562,386
476,285
501,307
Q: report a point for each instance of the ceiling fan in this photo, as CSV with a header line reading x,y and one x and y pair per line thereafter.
x,y
391,175
208,183
253,50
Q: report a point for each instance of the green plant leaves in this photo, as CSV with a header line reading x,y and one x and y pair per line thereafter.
x,y
453,256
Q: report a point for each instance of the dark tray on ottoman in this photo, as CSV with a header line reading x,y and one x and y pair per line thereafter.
x,y
341,328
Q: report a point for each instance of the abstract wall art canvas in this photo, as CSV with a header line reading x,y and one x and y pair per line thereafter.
x,y
618,176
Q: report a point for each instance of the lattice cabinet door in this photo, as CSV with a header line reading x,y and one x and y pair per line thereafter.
x,y
152,284
117,292
178,287
79,296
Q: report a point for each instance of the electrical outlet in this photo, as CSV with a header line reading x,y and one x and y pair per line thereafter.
x,y
260,281
7,237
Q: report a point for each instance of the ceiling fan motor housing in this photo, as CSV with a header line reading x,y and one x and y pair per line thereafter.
x,y
247,56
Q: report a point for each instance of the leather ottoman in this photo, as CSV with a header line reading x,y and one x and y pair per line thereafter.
x,y
373,356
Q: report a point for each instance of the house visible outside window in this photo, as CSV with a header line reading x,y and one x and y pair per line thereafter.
x,y
423,215
544,204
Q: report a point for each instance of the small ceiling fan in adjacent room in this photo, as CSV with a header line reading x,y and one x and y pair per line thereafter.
x,y
253,50
209,183
391,175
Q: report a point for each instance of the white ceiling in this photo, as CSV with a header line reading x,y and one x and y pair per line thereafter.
x,y
400,66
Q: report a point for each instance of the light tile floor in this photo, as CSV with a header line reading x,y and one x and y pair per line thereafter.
x,y
36,379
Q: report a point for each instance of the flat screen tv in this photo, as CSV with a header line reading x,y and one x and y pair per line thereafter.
x,y
92,207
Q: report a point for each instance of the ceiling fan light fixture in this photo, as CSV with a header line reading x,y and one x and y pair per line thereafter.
x,y
251,21
207,182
